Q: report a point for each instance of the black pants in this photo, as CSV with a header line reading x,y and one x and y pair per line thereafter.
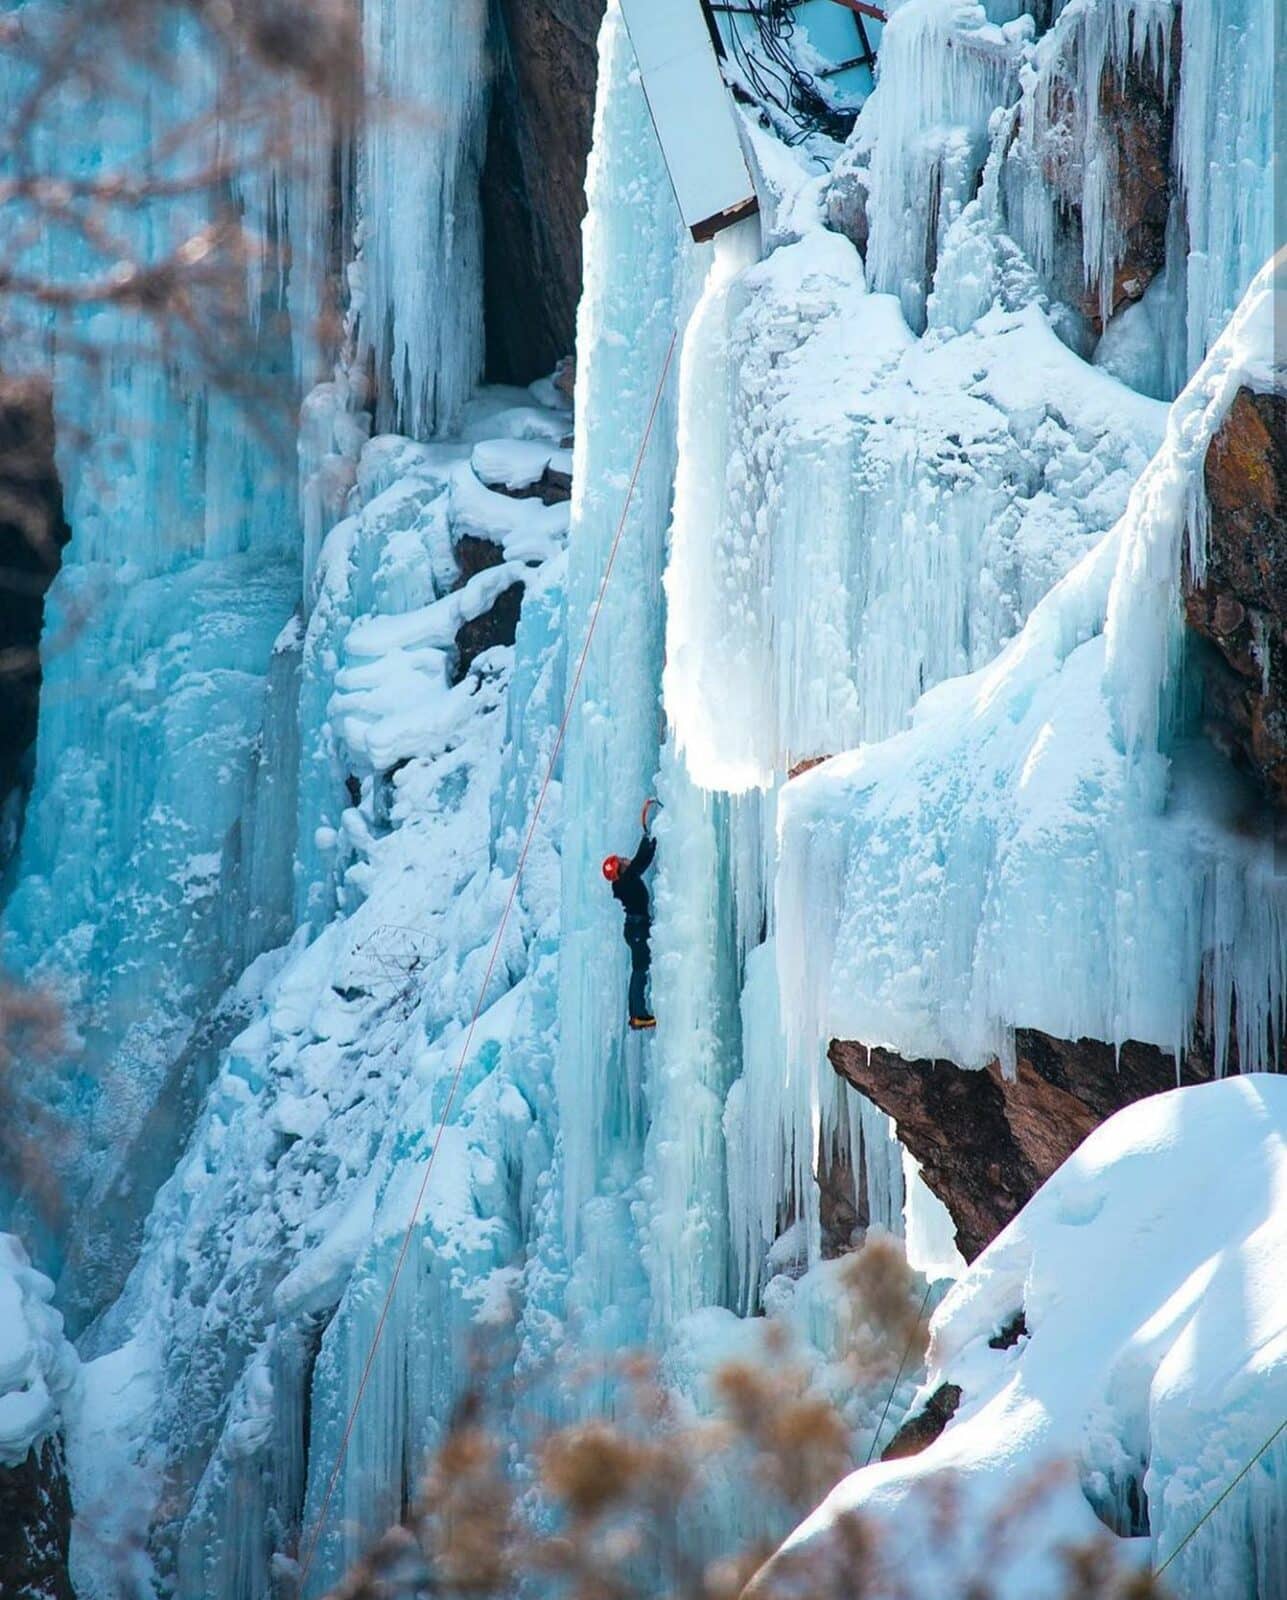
x,y
638,930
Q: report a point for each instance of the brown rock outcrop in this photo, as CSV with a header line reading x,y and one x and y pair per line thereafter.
x,y
534,182
35,1527
920,1431
1136,118
1240,606
986,1144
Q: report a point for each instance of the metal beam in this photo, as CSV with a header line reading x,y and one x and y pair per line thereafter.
x,y
863,9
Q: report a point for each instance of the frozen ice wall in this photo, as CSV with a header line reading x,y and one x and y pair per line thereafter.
x,y
157,859
268,1254
1216,64
877,513
860,512
638,277
420,223
1057,790
301,801
151,868
944,67
652,1202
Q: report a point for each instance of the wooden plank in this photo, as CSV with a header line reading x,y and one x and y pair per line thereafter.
x,y
691,111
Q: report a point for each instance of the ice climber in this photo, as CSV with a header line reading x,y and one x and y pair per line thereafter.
x,y
628,886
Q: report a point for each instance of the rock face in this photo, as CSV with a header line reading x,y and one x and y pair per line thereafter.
x,y
35,1527
534,182
32,536
920,1431
1137,113
986,1144
1240,606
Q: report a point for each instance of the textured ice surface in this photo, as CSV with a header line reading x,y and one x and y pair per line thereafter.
x,y
421,222
1045,847
1152,1370
860,514
288,1207
151,869
849,512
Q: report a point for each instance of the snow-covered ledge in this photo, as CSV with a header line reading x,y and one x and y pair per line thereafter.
x,y
38,1371
1044,847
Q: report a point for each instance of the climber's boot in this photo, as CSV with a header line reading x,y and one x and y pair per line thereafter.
x,y
639,1024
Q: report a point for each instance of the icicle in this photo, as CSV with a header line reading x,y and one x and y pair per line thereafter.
x,y
421,227
637,292
943,70
907,866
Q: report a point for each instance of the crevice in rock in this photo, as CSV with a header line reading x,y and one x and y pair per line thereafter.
x,y
1005,1338
498,625
985,1143
533,188
33,533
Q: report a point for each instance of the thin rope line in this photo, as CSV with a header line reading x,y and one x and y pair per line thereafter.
x,y
889,1398
319,1525
1221,1498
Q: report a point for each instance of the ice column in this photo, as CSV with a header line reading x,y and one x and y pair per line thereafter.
x,y
420,220
943,71
697,1053
635,288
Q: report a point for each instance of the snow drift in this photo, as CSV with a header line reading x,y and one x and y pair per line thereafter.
x,y
1150,1370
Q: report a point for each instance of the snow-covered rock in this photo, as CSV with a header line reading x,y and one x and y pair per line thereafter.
x,y
1150,1370
37,1365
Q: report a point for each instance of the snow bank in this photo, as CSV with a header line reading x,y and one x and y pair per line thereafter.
x,y
1045,847
858,513
1152,1368
37,1365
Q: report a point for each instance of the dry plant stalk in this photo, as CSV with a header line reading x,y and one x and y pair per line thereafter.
x,y
31,1032
609,1508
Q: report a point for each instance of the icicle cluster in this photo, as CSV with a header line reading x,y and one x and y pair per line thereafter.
x,y
419,212
1049,793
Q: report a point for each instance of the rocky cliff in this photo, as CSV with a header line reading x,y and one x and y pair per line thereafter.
x,y
534,182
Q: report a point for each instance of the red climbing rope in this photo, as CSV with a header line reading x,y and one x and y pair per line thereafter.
x,y
310,1547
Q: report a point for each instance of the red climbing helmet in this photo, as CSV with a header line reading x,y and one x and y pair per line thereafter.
x,y
612,868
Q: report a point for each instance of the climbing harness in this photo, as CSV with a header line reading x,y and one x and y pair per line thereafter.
x,y
310,1548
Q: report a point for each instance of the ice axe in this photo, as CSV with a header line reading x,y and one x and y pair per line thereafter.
x,y
650,804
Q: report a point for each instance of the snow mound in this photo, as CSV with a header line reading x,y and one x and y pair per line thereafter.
x,y
1153,1361
1046,847
37,1365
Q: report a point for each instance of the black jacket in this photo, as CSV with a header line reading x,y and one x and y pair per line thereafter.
x,y
630,889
